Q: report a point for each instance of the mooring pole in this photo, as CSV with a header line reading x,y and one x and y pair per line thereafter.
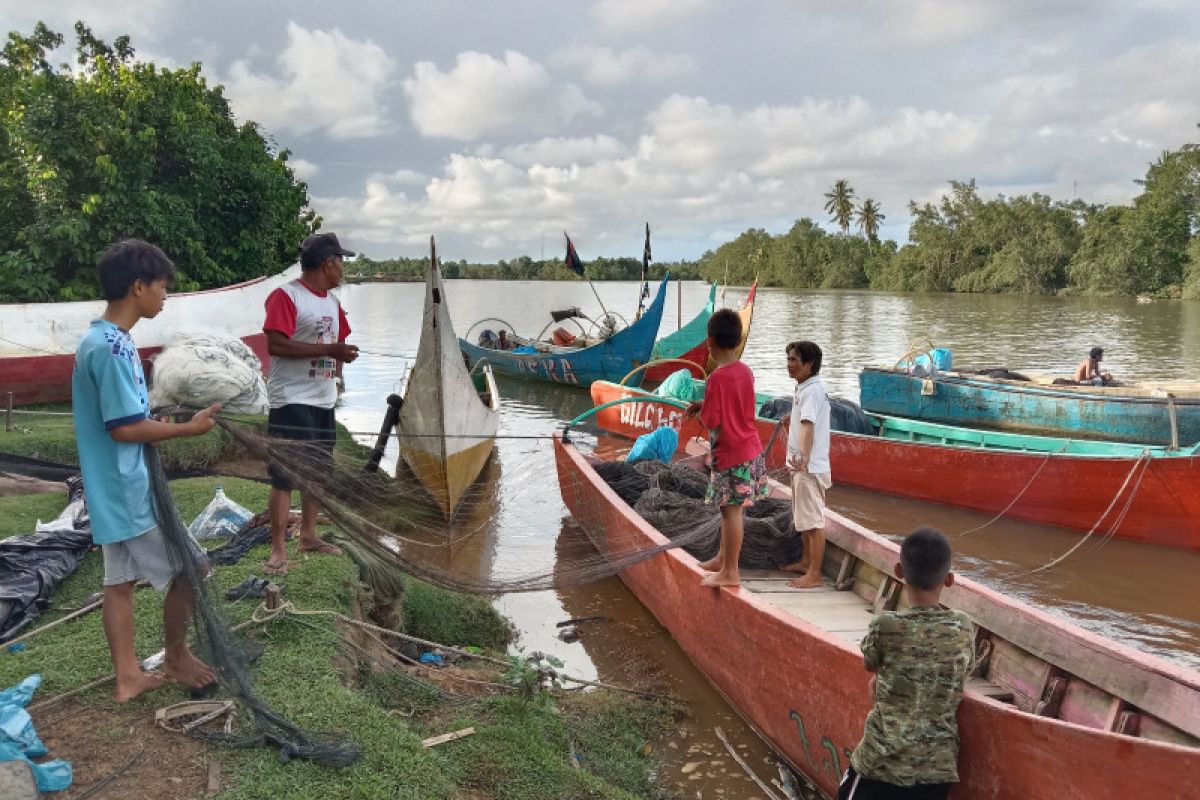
x,y
395,402
8,425
678,303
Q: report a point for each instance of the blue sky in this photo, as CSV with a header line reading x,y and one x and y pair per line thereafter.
x,y
496,126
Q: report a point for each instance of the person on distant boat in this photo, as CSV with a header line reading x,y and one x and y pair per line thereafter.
x,y
919,659
738,476
808,459
1088,372
306,332
112,427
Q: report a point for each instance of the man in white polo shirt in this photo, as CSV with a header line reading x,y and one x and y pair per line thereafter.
x,y
808,459
306,332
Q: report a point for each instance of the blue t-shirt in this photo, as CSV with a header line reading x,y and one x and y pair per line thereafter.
x,y
108,390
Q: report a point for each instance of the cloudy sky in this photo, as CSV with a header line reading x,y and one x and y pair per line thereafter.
x,y
496,125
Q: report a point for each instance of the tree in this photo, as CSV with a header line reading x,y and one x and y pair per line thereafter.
x,y
119,148
839,202
869,217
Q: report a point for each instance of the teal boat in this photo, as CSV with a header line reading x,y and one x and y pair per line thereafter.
x,y
1149,415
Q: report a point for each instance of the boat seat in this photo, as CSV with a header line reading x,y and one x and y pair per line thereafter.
x,y
988,689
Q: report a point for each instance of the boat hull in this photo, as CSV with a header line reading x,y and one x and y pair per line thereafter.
x,y
38,340
609,360
1056,489
958,399
806,692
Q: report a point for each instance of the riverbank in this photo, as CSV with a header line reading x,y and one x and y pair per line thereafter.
x,y
527,743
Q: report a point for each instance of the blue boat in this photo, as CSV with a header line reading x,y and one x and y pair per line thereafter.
x,y
608,359
1118,413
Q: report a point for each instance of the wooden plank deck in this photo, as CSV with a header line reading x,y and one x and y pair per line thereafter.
x,y
843,614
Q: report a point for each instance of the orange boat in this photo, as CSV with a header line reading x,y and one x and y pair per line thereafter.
x,y
1144,494
1051,710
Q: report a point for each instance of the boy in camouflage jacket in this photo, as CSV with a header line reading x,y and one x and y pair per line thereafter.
x,y
920,657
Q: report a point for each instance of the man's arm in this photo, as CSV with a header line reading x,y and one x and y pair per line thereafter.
x,y
804,443
280,345
149,431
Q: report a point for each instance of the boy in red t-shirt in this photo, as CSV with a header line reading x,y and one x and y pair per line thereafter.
x,y
738,476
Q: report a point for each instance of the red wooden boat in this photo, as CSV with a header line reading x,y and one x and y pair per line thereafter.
x,y
1147,494
38,340
1051,710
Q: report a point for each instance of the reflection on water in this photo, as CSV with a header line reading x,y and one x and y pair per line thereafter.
x,y
1142,595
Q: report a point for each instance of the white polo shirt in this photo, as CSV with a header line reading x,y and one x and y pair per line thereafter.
x,y
810,404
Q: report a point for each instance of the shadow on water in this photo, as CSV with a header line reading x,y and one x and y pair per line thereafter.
x,y
1142,595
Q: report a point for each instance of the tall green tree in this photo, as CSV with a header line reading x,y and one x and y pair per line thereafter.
x,y
118,148
869,216
839,202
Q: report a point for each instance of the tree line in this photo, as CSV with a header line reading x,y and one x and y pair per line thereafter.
x,y
112,147
964,243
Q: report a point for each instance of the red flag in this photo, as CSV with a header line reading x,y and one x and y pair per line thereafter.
x,y
572,261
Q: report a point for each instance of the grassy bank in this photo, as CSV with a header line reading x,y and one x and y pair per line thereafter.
x,y
574,745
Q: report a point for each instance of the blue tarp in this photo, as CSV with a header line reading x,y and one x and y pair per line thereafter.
x,y
657,445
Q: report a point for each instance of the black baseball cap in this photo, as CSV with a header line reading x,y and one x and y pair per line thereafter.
x,y
317,247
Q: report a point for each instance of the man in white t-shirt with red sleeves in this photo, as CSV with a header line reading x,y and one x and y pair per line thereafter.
x,y
306,332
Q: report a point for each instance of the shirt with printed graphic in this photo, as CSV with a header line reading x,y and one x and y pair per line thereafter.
x,y
108,390
306,315
921,657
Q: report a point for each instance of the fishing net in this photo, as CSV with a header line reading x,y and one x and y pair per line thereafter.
x,y
671,498
230,656
390,528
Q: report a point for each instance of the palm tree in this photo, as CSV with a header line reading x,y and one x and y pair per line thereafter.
x,y
839,202
869,217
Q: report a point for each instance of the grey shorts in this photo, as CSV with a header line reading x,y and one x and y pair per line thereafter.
x,y
145,557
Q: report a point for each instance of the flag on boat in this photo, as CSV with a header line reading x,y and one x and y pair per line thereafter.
x,y
572,262
645,269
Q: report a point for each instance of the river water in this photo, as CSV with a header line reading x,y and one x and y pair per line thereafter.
x,y
1145,596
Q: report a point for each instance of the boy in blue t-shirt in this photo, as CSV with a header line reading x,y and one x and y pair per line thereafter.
x,y
112,426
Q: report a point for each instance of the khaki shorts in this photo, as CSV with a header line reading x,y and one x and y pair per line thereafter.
x,y
145,557
808,499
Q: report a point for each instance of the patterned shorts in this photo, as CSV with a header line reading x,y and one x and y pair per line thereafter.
x,y
740,485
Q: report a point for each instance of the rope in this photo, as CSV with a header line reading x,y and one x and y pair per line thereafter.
x,y
1020,494
1142,461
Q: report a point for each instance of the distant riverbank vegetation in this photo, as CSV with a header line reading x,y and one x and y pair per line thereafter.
x,y
112,147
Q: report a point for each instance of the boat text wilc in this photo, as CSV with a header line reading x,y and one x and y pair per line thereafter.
x,y
558,370
649,416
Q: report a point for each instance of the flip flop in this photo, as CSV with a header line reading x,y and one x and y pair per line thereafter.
x,y
275,569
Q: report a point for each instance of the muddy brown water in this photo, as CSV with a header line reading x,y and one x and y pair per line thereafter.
x,y
1145,596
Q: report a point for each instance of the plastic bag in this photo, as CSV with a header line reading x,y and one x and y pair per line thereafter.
x,y
19,740
659,445
682,386
221,518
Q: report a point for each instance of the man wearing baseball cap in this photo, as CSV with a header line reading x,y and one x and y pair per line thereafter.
x,y
306,332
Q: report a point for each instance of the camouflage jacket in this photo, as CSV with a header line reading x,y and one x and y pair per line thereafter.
x,y
921,657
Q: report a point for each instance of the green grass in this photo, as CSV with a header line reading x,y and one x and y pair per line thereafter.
x,y
520,751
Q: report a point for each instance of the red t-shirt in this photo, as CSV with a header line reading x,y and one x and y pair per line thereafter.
x,y
281,313
728,409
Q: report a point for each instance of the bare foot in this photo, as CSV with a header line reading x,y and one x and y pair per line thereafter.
x,y
718,579
319,546
276,567
800,566
125,691
189,671
712,565
808,581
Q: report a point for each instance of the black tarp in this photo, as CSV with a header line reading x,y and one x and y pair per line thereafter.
x,y
33,565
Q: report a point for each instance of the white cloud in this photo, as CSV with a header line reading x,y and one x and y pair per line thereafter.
x,y
108,20
482,95
326,82
626,15
604,66
559,151
305,170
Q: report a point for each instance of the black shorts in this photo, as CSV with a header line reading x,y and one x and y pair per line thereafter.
x,y
856,787
313,431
